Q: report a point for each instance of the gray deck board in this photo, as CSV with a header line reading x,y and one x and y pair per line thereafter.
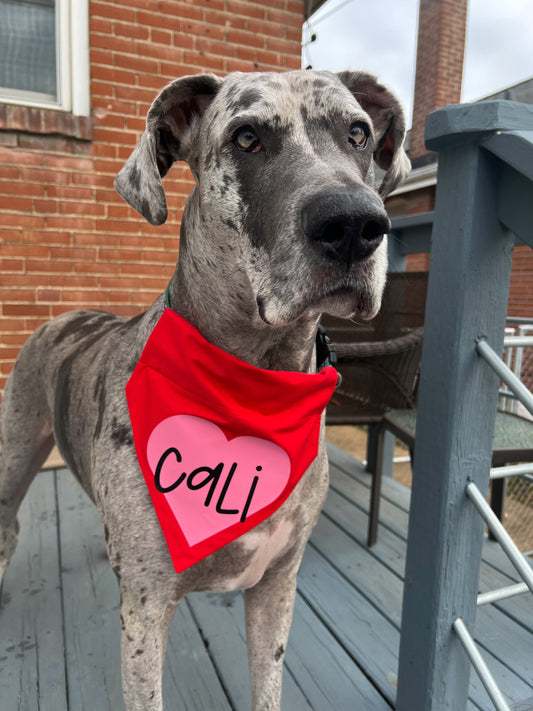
x,y
31,629
60,627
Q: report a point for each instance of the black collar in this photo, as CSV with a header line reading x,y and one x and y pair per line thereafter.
x,y
325,350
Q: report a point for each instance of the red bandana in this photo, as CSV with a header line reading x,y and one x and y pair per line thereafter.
x,y
220,442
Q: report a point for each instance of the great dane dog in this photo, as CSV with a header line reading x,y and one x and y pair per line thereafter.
x,y
286,221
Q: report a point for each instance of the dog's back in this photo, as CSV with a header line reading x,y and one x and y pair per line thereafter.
x,y
62,384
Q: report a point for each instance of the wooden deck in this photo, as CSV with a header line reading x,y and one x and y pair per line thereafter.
x,y
59,620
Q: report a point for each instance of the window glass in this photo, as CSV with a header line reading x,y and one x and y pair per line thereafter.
x,y
28,46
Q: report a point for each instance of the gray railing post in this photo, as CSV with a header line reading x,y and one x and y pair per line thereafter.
x,y
467,299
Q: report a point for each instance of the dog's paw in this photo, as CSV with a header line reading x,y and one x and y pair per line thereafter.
x,y
8,543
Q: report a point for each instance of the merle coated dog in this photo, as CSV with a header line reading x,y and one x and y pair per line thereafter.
x,y
286,221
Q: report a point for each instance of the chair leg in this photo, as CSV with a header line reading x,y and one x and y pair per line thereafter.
x,y
375,492
497,499
371,448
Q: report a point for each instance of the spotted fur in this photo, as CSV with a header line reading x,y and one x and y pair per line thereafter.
x,y
258,264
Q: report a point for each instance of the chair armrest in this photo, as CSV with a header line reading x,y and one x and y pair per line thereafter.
x,y
372,349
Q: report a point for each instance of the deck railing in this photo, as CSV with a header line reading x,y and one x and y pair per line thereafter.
x,y
498,531
484,203
518,342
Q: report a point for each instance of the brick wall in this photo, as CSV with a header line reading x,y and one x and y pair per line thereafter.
x,y
439,62
438,78
521,289
520,292
67,241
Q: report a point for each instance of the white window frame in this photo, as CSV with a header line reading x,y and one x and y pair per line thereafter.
x,y
72,61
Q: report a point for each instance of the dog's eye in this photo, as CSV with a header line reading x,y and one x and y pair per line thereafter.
x,y
245,139
359,136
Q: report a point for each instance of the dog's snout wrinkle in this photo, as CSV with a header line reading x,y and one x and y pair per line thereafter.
x,y
346,225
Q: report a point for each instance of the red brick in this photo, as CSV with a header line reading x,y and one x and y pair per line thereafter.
x,y
14,187
22,220
48,295
293,62
117,225
44,143
48,206
78,281
68,163
182,9
159,20
102,88
157,284
247,9
182,41
143,65
17,117
285,19
70,223
19,280
9,139
82,208
18,250
25,204
14,295
73,253
296,6
158,36
96,268
160,52
131,92
204,62
105,150
280,45
270,58
250,39
120,281
84,296
25,310
9,235
114,76
58,309
15,338
112,11
131,30
20,157
101,26
90,179
247,54
35,119
70,192
10,325
141,269
119,255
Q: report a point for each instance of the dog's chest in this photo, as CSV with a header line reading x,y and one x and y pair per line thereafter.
x,y
258,549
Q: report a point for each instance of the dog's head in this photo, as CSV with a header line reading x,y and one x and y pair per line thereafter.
x,y
286,193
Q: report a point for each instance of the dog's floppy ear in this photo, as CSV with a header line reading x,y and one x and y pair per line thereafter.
x,y
389,125
170,117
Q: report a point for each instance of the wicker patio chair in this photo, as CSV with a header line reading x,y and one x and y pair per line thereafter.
x,y
512,443
379,361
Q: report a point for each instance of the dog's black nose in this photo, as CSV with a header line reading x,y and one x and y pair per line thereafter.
x,y
346,225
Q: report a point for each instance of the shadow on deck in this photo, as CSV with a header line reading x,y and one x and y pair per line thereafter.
x,y
60,627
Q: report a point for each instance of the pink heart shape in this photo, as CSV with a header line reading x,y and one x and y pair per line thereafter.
x,y
210,482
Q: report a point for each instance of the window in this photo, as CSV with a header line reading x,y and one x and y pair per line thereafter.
x,y
43,45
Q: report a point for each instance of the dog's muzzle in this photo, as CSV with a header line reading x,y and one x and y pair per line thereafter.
x,y
347,225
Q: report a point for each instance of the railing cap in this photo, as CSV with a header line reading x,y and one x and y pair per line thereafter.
x,y
465,123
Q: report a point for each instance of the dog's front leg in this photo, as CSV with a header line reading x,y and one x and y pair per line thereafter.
x,y
269,607
145,623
